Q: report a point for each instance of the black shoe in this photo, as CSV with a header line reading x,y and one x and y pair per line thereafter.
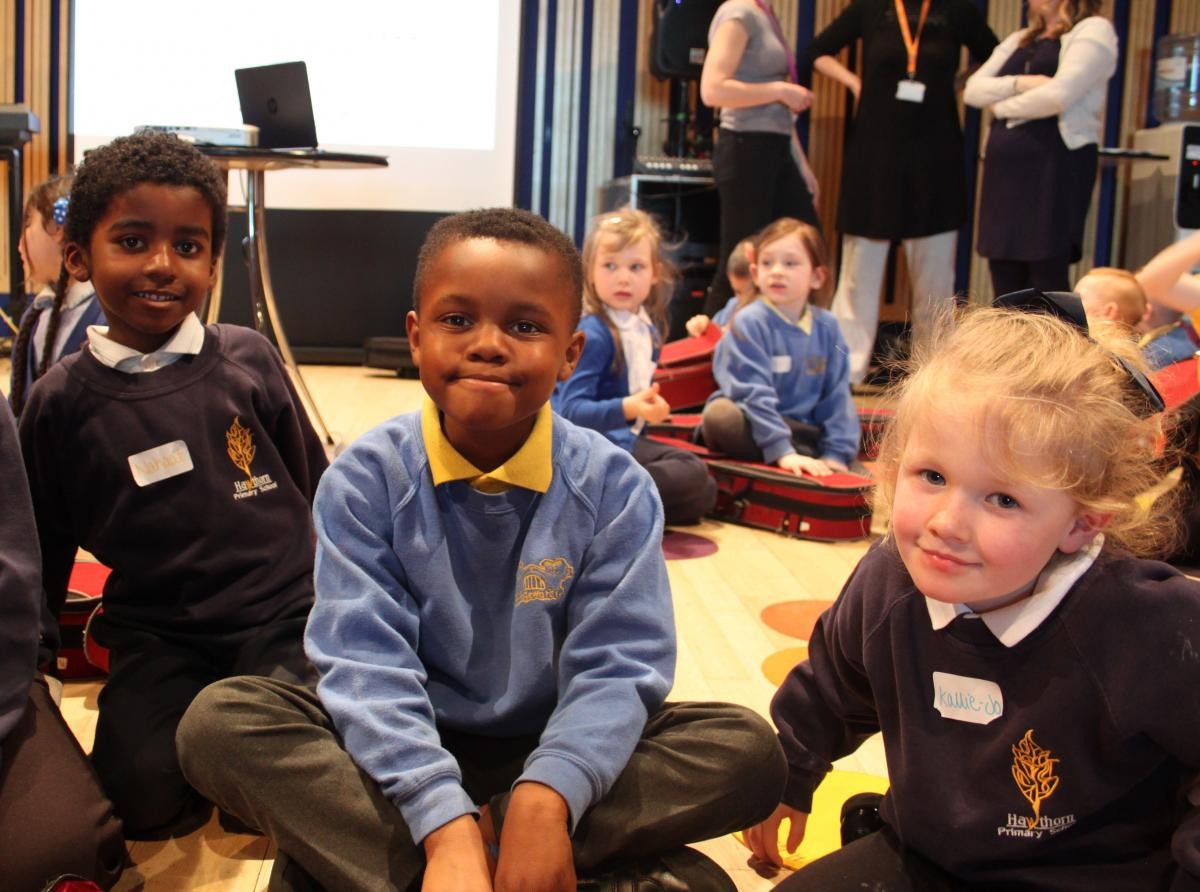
x,y
860,816
683,870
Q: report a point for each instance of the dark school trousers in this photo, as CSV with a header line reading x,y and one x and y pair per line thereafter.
x,y
758,182
54,818
726,429
268,753
152,680
876,861
687,490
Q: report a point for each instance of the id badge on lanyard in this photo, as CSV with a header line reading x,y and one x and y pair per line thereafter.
x,y
910,89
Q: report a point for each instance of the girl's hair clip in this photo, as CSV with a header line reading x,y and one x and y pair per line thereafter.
x,y
1068,307
60,210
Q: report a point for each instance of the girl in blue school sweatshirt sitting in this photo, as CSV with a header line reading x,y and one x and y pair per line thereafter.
x,y
782,370
627,282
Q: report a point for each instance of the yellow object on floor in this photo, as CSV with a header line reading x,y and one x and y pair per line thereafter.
x,y
823,833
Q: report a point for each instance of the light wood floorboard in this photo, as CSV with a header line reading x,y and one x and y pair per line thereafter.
x,y
722,644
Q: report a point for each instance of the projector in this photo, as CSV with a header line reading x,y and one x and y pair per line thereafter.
x,y
241,135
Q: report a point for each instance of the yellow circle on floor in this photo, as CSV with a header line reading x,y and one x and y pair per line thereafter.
x,y
779,664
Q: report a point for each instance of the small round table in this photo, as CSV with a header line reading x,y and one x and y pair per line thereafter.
x,y
256,162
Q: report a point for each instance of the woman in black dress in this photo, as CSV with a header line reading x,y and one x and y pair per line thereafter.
x,y
903,174
1045,85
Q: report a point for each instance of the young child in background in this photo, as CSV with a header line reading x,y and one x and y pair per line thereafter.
x,y
627,282
179,456
493,631
1112,295
63,307
737,270
782,370
1034,680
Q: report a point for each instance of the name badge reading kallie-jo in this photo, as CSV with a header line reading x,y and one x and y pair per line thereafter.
x,y
966,699
161,462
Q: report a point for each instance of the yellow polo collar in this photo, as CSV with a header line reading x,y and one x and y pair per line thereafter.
x,y
804,323
529,468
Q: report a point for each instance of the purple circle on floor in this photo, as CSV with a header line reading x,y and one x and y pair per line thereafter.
x,y
679,546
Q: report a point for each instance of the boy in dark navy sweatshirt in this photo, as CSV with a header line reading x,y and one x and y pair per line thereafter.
x,y
179,456
493,630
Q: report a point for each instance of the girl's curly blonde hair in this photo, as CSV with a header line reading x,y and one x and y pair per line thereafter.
x,y
1071,417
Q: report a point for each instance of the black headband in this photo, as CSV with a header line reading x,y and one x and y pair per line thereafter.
x,y
1068,307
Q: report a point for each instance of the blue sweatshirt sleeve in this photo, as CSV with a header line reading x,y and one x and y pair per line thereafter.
x,y
725,314
20,582
617,662
578,398
742,369
835,412
362,637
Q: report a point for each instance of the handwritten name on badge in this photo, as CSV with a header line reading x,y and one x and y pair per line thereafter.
x,y
160,463
965,699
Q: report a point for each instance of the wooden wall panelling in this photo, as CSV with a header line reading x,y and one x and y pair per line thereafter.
x,y
41,70
1185,17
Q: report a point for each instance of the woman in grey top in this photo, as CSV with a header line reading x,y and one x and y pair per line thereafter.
x,y
761,171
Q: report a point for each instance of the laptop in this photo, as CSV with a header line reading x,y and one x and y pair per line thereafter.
x,y
275,99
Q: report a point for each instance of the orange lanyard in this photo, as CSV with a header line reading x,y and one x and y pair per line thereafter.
x,y
912,44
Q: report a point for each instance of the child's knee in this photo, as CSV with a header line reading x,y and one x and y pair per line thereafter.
x,y
213,718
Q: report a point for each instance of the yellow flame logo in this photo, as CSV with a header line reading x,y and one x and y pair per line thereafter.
x,y
239,443
1033,770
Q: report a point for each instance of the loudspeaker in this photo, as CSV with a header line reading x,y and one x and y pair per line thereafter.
x,y
679,40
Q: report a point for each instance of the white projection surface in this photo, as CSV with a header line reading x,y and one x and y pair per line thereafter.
x,y
431,84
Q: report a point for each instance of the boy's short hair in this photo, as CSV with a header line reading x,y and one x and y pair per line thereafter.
x,y
502,225
146,156
1117,286
738,263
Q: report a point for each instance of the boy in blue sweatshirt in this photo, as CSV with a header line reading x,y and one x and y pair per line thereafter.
x,y
493,630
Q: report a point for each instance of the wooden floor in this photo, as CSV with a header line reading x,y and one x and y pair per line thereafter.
x,y
722,645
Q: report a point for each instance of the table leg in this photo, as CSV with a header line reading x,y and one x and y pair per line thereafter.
x,y
262,298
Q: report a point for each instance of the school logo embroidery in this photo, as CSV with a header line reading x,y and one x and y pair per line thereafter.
x,y
1033,772
544,581
239,446
814,365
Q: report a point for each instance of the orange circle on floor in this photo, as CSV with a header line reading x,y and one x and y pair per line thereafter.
x,y
795,618
779,664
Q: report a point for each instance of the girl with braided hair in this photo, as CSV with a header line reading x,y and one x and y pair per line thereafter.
x,y
55,323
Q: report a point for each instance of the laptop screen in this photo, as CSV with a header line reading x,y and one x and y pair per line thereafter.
x,y
275,99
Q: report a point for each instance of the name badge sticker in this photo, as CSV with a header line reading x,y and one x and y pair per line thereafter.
x,y
160,463
965,699
910,91
781,365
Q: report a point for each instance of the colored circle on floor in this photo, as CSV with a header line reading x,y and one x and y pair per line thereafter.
x,y
795,618
779,664
679,546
